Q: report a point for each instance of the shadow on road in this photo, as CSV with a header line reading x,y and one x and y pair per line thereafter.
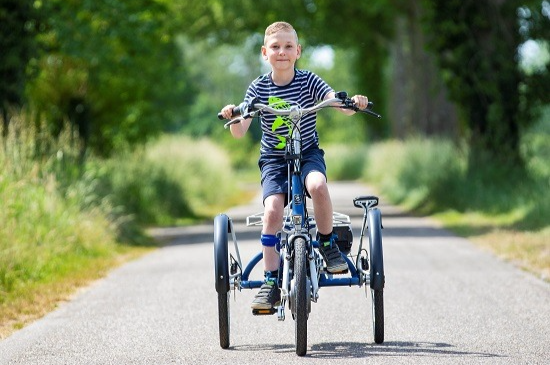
x,y
344,350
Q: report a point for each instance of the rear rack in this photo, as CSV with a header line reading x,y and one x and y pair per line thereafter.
x,y
338,219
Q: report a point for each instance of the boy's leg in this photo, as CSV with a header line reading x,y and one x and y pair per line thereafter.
x,y
269,294
316,185
273,221
314,170
322,205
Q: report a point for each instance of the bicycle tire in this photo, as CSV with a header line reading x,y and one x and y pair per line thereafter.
x,y
300,296
377,276
223,319
221,261
378,315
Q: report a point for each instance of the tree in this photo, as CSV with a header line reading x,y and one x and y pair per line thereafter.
x,y
111,68
534,26
418,98
17,26
476,42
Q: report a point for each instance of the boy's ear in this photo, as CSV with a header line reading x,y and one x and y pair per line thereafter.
x,y
264,53
299,51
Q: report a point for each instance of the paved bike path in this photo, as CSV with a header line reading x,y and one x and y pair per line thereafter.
x,y
446,302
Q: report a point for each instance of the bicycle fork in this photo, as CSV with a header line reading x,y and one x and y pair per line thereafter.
x,y
312,285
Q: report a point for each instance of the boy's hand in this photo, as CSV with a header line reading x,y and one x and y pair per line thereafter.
x,y
360,101
227,111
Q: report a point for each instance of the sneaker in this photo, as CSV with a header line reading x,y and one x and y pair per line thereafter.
x,y
333,258
269,295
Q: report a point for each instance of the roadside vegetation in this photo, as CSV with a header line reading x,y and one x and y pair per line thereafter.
x,y
506,210
63,224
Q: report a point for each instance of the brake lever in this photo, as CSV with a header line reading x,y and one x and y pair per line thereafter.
x,y
367,110
239,119
233,121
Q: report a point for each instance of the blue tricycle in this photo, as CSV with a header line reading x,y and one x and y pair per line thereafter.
x,y
302,270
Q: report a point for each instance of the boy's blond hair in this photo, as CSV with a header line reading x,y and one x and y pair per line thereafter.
x,y
278,27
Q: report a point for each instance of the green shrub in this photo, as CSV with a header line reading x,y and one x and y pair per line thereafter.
x,y
202,168
430,175
137,189
345,162
412,173
42,235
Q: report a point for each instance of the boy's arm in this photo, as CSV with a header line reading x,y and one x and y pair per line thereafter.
x,y
238,130
360,101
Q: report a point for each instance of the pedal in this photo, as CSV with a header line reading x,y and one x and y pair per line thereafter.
x,y
264,312
335,273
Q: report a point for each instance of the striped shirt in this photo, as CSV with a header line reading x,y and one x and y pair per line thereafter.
x,y
305,90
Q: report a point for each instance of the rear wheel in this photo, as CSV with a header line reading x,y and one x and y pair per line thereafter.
x,y
221,263
223,318
378,315
377,277
301,304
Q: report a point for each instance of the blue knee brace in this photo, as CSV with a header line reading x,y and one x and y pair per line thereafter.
x,y
270,240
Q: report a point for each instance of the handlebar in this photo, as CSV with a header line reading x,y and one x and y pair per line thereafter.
x,y
247,110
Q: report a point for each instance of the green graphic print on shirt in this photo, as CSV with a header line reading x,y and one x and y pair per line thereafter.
x,y
278,103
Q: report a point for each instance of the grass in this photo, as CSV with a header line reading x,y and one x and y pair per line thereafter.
x,y
63,225
505,212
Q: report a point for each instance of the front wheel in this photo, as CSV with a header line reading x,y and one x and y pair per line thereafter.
x,y
378,315
300,304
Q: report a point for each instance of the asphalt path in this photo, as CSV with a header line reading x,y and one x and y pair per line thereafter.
x,y
446,302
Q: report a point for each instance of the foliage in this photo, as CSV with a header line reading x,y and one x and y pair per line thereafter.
x,y
63,223
345,163
202,169
477,43
111,68
433,176
17,27
534,22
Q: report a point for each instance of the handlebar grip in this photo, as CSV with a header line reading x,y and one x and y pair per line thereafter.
x,y
238,110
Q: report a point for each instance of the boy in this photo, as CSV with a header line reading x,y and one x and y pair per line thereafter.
x,y
285,83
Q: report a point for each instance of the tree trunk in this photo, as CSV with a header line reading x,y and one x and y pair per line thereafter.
x,y
418,97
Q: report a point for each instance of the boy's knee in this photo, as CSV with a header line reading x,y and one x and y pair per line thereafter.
x,y
317,186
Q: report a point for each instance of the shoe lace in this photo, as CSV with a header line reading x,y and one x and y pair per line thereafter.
x,y
331,252
266,288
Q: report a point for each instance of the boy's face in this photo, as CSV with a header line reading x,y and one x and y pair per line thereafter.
x,y
281,50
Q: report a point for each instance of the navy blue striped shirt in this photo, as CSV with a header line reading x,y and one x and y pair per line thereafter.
x,y
306,89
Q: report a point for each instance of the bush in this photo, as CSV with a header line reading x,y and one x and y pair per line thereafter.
x,y
202,169
415,172
345,162
431,176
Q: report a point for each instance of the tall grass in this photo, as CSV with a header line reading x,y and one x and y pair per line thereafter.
x,y
43,235
202,168
345,162
431,176
504,210
63,223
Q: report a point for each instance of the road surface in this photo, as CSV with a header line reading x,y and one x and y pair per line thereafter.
x,y
446,302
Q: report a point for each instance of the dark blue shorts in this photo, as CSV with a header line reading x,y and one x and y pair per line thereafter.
x,y
274,170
